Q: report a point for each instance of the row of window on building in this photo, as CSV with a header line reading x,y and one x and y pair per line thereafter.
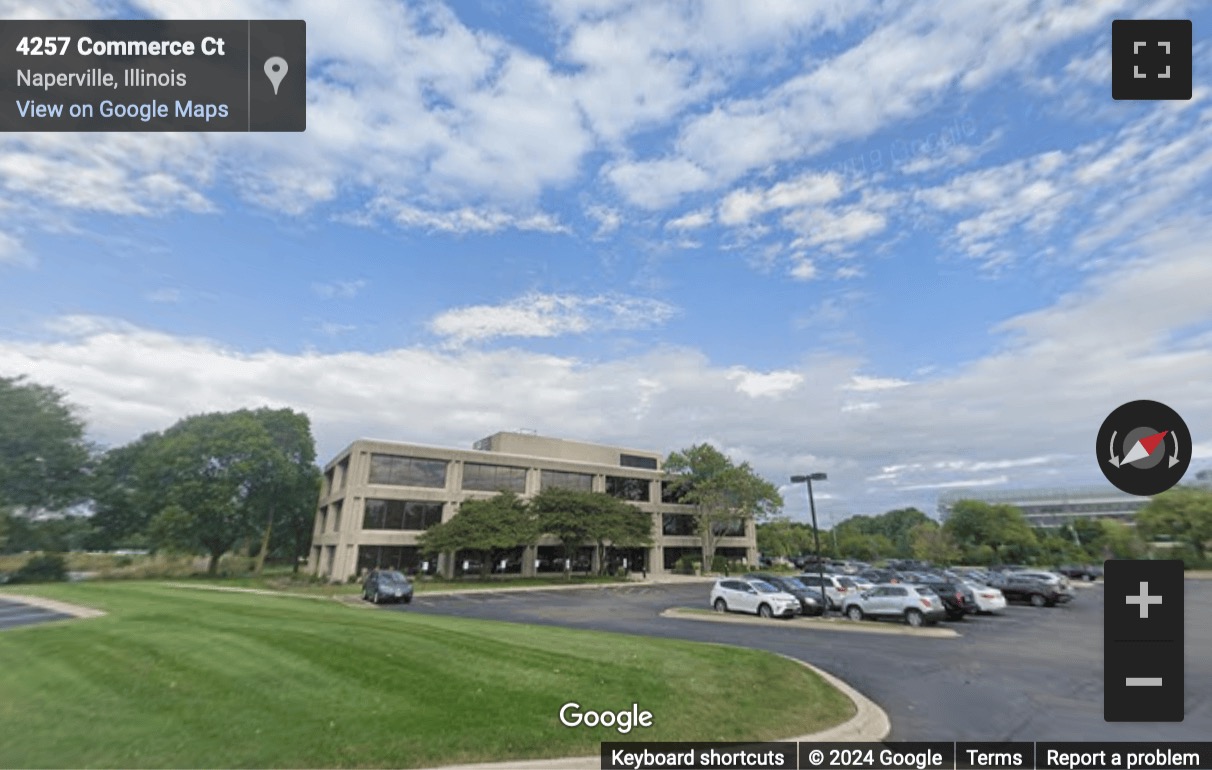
x,y
419,515
395,470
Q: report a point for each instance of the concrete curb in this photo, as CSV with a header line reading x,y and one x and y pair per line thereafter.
x,y
75,610
818,624
869,723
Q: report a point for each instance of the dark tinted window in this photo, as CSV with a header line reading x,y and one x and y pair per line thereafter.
x,y
580,482
678,524
401,514
634,490
493,478
635,461
407,471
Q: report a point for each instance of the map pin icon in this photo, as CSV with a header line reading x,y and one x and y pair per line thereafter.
x,y
275,70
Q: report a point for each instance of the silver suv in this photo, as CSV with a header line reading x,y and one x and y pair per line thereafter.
x,y
837,587
916,605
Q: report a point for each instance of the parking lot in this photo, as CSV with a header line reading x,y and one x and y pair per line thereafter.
x,y
1028,674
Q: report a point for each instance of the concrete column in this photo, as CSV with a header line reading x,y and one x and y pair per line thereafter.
x,y
446,565
534,481
656,560
595,562
529,554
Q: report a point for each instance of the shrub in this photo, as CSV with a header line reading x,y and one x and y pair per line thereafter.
x,y
687,565
42,568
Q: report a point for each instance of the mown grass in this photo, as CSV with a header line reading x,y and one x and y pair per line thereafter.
x,y
178,678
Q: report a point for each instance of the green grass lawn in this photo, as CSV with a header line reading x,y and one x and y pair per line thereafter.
x,y
178,678
301,584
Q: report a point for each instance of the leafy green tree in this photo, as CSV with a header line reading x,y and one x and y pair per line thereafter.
x,y
43,453
123,506
783,537
208,470
576,518
932,543
720,491
287,486
1003,528
1183,513
896,526
492,529
855,545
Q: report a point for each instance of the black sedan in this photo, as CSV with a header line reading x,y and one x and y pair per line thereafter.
x,y
386,586
810,598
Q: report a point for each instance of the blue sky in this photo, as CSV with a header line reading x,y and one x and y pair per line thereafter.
x,y
915,246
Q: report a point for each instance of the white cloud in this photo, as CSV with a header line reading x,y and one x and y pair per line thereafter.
x,y
863,384
549,315
608,219
693,220
12,252
899,71
764,384
332,329
803,269
339,289
741,206
991,481
466,219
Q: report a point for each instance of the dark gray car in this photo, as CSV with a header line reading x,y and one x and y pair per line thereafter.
x,y
387,586
810,598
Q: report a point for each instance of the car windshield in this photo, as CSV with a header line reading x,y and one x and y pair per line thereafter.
x,y
763,587
847,582
392,577
794,584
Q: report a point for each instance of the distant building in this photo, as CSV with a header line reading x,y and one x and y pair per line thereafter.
x,y
1055,506
379,496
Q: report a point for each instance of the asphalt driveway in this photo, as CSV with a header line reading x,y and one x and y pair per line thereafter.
x,y
13,614
1032,674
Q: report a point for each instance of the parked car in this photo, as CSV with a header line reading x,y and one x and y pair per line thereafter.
x,y
958,599
386,586
915,605
1081,571
756,596
1022,588
810,599
835,589
987,598
1051,578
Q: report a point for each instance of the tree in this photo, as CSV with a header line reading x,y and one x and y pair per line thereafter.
x,y
124,506
1183,513
930,542
576,518
492,529
1003,528
853,545
43,454
207,470
783,537
287,485
895,526
720,491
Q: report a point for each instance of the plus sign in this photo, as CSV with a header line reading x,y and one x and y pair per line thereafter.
x,y
1144,600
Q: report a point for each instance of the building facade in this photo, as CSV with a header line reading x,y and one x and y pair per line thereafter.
x,y
379,496
1055,506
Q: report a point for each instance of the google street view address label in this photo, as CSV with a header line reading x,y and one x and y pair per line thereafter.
x,y
153,76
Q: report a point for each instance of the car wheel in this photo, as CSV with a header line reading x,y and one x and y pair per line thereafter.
x,y
408,600
854,612
720,605
1037,600
765,611
365,596
914,618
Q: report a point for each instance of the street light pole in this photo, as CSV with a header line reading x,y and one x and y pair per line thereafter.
x,y
816,535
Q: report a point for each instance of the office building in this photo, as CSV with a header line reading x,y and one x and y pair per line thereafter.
x,y
1054,506
379,496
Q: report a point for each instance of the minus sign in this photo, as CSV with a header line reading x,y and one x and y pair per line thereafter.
x,y
1117,641
1143,681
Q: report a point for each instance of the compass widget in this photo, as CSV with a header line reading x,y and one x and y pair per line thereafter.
x,y
1143,447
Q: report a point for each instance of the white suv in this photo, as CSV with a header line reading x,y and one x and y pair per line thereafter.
x,y
837,587
756,596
